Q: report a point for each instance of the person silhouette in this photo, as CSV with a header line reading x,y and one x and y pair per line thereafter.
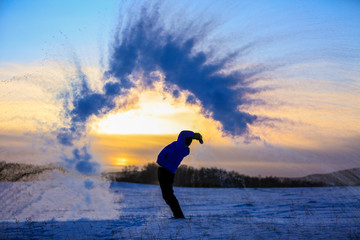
x,y
169,160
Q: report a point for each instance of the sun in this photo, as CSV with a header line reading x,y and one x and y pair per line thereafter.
x,y
121,161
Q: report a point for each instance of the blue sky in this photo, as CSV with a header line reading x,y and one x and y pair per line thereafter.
x,y
30,28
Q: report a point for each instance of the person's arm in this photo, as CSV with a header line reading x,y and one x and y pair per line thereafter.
x,y
198,136
188,134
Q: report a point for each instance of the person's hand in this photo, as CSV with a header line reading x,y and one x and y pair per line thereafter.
x,y
198,136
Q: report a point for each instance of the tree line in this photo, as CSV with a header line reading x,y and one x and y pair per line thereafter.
x,y
187,176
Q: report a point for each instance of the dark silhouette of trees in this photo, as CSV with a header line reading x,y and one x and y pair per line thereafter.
x,y
187,176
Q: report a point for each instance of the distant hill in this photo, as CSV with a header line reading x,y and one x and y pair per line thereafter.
x,y
13,172
349,177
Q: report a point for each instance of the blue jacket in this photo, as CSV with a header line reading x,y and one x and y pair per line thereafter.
x,y
172,155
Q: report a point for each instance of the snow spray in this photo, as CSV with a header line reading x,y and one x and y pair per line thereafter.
x,y
65,198
141,47
145,44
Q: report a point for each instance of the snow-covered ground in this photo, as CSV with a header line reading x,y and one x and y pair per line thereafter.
x,y
89,209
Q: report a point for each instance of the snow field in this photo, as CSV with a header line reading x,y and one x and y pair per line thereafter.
x,y
69,209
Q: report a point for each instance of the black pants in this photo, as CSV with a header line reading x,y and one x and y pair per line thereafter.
x,y
166,180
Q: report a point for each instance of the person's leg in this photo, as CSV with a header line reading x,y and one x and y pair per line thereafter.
x,y
166,180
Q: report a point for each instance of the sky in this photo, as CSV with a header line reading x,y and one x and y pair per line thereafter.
x,y
274,88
